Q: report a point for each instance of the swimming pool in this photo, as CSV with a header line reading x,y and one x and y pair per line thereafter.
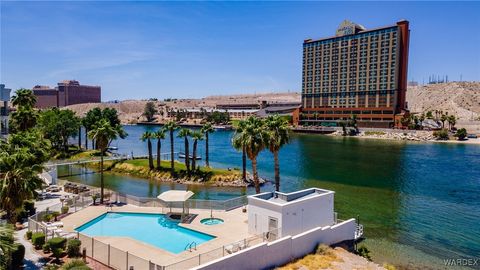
x,y
153,229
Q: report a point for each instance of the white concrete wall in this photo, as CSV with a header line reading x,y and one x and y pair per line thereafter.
x,y
284,250
263,213
307,214
293,217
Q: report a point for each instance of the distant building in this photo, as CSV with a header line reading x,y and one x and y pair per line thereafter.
x,y
66,93
4,98
357,71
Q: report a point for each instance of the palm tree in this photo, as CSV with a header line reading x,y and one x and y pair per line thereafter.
x,y
171,126
452,120
103,133
159,135
6,244
443,118
207,129
238,143
21,159
196,136
147,136
185,133
24,98
278,130
255,138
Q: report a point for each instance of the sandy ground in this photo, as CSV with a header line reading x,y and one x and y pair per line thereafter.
x,y
339,259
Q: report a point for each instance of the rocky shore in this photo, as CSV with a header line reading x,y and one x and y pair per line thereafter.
x,y
396,135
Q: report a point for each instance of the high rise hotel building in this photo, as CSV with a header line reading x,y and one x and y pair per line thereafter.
x,y
357,72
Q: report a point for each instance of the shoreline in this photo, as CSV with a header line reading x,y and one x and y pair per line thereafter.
x,y
232,179
397,136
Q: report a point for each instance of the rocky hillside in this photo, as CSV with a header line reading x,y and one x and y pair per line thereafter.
x,y
459,98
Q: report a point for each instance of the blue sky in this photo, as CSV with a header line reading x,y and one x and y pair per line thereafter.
x,y
193,49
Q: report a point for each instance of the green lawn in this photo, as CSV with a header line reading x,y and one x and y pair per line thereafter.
x,y
179,166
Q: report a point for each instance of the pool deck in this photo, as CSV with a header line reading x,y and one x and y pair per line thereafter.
x,y
234,228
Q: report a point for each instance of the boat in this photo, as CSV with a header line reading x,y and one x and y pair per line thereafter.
x,y
182,155
113,148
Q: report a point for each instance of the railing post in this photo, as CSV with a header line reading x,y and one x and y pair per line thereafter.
x,y
108,255
199,259
93,241
223,252
127,261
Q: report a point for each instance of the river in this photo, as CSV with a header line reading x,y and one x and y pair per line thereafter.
x,y
419,202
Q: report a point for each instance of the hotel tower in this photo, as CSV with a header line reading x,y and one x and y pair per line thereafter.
x,y
356,72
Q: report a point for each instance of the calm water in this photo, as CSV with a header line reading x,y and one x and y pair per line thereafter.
x,y
154,229
419,202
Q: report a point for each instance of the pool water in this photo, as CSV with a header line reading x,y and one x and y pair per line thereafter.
x,y
211,221
153,229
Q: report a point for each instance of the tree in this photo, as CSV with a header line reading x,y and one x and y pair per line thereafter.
x,y
278,136
95,115
429,115
91,118
185,133
149,111
441,134
58,126
171,126
443,118
6,245
159,135
24,98
207,129
103,133
196,136
21,160
461,134
353,122
452,120
25,117
147,136
217,117
238,143
344,127
255,138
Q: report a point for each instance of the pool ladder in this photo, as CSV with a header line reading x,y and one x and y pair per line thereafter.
x,y
191,245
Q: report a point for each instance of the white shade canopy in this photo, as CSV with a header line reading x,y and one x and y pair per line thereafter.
x,y
175,195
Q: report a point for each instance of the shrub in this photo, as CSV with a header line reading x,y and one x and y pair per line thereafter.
x,y
64,209
38,239
323,249
28,234
73,248
441,134
57,242
389,266
75,265
57,253
364,252
17,255
29,206
461,134
46,248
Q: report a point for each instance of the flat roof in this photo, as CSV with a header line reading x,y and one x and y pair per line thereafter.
x,y
287,198
358,33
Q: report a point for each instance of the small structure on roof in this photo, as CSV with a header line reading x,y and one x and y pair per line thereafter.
x,y
282,214
174,197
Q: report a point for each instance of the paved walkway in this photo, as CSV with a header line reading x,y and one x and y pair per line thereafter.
x,y
33,260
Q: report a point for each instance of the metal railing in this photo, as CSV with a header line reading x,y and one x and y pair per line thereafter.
x,y
223,251
119,259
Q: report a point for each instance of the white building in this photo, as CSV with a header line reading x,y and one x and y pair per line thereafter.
x,y
290,213
4,98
